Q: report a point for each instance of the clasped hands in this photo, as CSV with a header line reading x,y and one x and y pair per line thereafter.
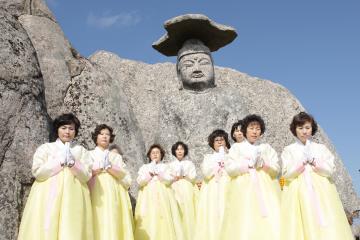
x,y
105,166
221,164
177,178
309,161
153,174
68,162
256,162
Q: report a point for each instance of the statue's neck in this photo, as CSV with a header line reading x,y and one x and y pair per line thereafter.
x,y
198,89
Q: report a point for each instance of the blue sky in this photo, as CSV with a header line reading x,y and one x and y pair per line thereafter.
x,y
310,47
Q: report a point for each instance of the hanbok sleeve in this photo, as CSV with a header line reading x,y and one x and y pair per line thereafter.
x,y
270,161
44,164
291,167
235,165
118,167
236,168
96,163
173,168
164,174
143,176
82,168
324,164
208,167
126,181
190,172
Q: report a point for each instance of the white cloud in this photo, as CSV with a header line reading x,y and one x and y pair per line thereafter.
x,y
107,20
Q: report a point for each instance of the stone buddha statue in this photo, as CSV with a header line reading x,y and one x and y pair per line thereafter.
x,y
199,106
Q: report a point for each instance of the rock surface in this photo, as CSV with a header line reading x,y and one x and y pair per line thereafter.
x,y
23,117
356,231
149,87
190,117
41,73
33,7
95,98
54,54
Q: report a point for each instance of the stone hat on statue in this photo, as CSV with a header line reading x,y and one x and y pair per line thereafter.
x,y
193,33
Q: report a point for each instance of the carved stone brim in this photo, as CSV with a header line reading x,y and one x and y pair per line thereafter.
x,y
198,26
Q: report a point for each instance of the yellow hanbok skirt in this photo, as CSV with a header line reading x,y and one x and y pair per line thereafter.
x,y
210,208
157,215
186,197
300,218
112,212
252,208
57,208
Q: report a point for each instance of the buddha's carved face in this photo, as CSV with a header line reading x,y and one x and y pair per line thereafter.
x,y
196,71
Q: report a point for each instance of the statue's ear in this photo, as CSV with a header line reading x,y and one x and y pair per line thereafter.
x,y
178,80
177,68
180,85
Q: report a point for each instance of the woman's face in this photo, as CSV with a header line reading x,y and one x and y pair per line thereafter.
x,y
66,132
180,152
103,138
155,155
304,131
115,151
219,142
253,132
238,135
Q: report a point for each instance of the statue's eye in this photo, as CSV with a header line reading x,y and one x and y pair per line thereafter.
x,y
204,61
188,64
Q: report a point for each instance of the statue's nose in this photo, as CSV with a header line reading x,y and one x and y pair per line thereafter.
x,y
196,67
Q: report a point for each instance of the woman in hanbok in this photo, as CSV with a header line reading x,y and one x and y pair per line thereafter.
x,y
157,215
311,208
185,190
112,212
59,206
253,197
211,202
236,133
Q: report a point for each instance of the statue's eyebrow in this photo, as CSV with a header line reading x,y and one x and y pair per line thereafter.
x,y
204,58
188,60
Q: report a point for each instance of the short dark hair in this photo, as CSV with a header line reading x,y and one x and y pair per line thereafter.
x,y
176,145
252,118
158,146
218,133
65,119
300,119
234,127
97,131
115,146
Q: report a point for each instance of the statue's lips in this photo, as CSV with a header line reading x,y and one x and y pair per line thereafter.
x,y
197,75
